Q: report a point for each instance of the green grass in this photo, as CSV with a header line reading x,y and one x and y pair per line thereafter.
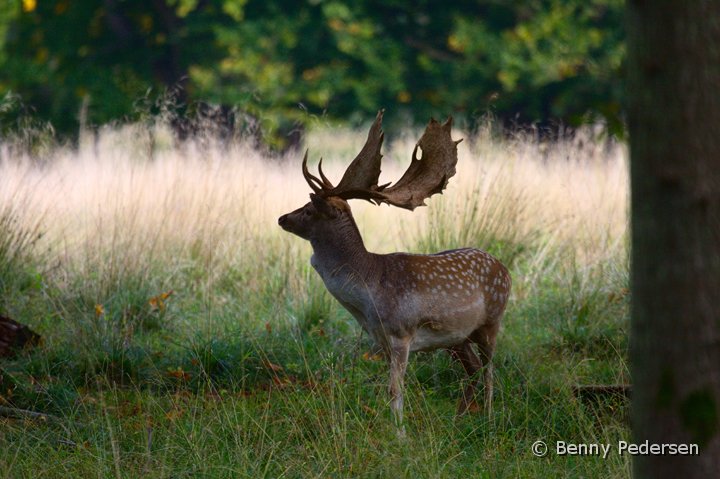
x,y
251,369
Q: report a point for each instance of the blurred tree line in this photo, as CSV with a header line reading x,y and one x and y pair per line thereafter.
x,y
280,62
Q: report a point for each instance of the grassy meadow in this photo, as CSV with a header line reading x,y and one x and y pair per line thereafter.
x,y
186,335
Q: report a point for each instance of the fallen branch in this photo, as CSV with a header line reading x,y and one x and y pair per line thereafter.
x,y
26,414
17,413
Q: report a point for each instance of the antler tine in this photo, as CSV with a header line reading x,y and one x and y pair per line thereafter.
x,y
328,183
311,180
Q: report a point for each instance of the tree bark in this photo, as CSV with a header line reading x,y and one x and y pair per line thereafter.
x,y
674,121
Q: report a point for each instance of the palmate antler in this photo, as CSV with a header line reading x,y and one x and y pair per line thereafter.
x,y
424,177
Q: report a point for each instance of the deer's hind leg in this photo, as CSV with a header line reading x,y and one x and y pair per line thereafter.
x,y
485,337
464,354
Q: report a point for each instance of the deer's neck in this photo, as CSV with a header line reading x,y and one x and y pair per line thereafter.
x,y
342,253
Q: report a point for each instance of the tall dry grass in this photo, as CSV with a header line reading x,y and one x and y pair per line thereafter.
x,y
120,194
131,210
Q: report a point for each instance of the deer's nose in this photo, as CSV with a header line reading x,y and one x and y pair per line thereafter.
x,y
282,220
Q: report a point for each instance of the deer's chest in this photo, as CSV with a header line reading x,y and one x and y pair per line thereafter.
x,y
342,282
347,287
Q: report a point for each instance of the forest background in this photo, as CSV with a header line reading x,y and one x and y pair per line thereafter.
x,y
272,67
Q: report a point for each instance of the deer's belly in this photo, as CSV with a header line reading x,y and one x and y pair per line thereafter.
x,y
427,339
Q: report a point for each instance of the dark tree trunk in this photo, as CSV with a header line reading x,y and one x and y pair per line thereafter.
x,y
674,120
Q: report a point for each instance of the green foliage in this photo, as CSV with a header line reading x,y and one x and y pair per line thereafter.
x,y
553,60
280,62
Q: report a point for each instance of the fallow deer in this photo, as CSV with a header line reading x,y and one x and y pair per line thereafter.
x,y
405,302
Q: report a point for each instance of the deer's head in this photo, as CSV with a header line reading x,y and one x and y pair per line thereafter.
x,y
317,219
328,208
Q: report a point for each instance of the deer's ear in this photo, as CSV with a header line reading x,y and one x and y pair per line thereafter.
x,y
323,206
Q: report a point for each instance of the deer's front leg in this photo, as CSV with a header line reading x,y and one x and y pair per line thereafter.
x,y
399,351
